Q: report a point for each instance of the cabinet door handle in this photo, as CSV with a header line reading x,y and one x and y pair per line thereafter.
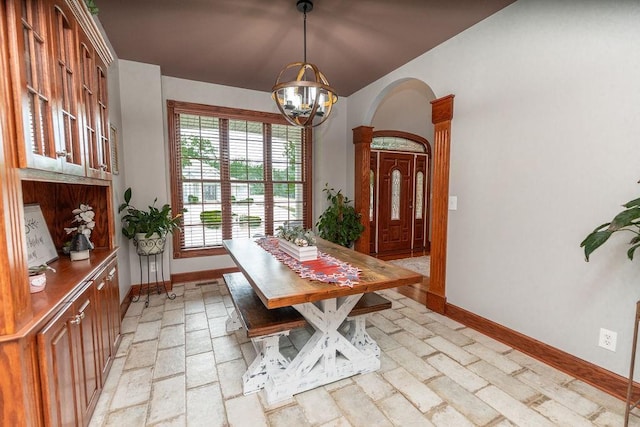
x,y
101,285
103,167
77,319
61,153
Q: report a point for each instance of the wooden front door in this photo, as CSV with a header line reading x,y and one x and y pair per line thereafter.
x,y
395,204
399,188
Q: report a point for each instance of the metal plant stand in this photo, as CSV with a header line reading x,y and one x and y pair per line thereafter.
x,y
629,404
157,260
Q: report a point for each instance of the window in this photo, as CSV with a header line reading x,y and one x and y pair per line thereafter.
x,y
419,194
235,173
396,143
396,178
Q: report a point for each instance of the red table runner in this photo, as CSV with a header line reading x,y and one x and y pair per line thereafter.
x,y
325,268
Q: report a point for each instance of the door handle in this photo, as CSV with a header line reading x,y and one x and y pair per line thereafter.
x,y
77,319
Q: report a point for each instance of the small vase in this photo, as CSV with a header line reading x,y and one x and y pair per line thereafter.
x,y
80,246
79,255
37,282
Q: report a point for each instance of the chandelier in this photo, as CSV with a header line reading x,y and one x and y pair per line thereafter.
x,y
302,92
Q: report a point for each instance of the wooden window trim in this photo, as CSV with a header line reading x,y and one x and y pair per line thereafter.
x,y
180,107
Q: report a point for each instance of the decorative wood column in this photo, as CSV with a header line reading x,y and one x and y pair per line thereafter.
x,y
19,385
441,115
362,137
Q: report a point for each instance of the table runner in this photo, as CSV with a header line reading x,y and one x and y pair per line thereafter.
x,y
325,268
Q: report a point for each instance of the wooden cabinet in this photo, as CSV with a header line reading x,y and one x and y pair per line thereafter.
x,y
58,368
109,309
61,97
114,318
76,350
56,346
68,353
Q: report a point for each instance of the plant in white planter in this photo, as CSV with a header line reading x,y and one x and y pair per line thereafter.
x,y
38,278
297,242
149,228
296,235
80,242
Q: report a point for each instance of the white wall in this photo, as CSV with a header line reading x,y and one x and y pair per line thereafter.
x,y
544,148
118,183
406,106
144,151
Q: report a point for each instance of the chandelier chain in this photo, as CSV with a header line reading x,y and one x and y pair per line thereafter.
x,y
305,33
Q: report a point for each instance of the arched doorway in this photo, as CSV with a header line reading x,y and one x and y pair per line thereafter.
x,y
442,114
399,188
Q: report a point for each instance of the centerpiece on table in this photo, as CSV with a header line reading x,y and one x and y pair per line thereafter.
x,y
297,242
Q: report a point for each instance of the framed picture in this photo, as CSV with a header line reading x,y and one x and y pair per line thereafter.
x,y
40,247
113,140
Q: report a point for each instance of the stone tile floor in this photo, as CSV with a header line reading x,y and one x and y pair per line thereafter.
x,y
176,366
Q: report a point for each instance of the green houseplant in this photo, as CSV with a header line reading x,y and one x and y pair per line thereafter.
x,y
339,223
148,228
628,220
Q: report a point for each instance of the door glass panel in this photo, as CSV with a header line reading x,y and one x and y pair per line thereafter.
x,y
419,194
396,177
371,181
394,143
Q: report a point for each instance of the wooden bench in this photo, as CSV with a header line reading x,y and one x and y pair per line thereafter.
x,y
258,320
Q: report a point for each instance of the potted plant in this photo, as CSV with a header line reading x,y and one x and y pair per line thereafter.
x,y
339,223
147,228
80,242
38,278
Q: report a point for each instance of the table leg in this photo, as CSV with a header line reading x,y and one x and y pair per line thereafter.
x,y
358,336
328,356
268,362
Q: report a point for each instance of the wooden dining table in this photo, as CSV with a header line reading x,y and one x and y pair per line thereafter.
x,y
329,355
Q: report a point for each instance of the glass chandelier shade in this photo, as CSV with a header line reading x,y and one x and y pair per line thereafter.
x,y
302,93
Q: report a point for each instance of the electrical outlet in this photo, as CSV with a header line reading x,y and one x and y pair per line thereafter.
x,y
453,203
152,266
608,339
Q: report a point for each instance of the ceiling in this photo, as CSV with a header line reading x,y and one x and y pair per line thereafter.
x,y
245,43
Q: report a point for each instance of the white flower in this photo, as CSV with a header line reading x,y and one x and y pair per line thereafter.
x,y
84,216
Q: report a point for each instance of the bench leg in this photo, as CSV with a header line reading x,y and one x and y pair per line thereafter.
x,y
358,336
233,322
268,362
